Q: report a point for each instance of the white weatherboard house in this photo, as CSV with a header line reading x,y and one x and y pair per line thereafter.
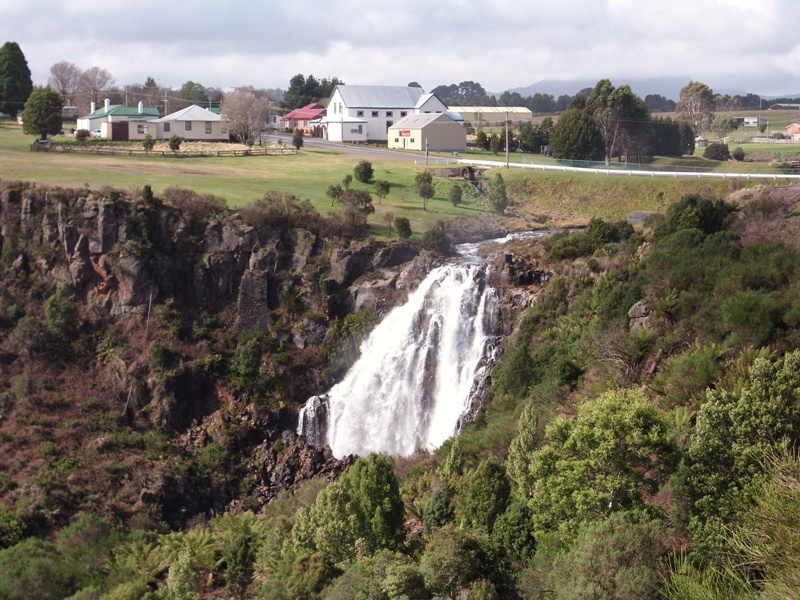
x,y
436,132
193,123
360,113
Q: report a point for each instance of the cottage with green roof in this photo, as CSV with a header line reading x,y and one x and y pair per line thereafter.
x,y
102,120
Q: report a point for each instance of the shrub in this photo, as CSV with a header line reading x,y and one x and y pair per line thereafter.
x,y
498,199
148,142
456,194
382,189
363,171
297,138
482,140
716,151
486,496
281,210
200,207
61,317
495,144
423,177
439,510
81,135
451,560
403,227
693,212
436,239
175,142
147,194
334,192
738,154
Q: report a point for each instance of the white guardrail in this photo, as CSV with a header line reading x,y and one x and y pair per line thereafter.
x,y
617,172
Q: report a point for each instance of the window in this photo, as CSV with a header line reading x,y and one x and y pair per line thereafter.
x,y
359,113
389,113
166,127
412,140
188,125
208,127
396,140
141,129
374,113
360,130
389,124
403,113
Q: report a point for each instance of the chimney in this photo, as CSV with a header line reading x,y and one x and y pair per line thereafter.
x,y
141,107
108,104
92,107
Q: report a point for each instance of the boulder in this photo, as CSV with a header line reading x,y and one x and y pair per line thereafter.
x,y
640,316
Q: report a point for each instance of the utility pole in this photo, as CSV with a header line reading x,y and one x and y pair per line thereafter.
x,y
507,124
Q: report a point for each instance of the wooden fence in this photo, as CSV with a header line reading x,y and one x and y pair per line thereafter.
x,y
106,151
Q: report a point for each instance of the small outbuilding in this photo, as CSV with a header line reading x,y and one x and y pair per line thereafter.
x,y
437,132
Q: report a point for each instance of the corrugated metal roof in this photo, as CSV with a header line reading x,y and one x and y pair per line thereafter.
x,y
191,113
122,111
419,120
490,109
423,99
379,96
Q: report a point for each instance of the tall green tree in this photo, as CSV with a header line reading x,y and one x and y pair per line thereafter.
x,y
193,92
722,126
616,111
576,137
42,114
15,79
498,199
486,496
521,449
696,106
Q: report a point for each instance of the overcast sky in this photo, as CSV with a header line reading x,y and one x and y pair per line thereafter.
x,y
748,45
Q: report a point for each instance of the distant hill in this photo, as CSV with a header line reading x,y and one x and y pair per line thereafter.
x,y
669,87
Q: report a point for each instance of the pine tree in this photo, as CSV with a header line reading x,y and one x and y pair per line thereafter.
x,y
15,79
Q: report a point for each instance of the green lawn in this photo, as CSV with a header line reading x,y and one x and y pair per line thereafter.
x,y
564,197
238,180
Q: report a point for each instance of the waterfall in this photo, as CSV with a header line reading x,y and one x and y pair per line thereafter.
x,y
412,382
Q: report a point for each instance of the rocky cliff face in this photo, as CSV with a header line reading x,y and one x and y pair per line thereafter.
x,y
121,259
122,256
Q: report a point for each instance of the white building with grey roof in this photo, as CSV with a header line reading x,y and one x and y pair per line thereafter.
x,y
361,113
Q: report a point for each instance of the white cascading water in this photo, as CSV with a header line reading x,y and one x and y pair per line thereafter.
x,y
412,383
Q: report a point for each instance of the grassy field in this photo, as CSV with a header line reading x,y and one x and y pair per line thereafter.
x,y
550,199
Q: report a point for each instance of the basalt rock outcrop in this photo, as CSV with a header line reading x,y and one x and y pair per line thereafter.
x,y
123,256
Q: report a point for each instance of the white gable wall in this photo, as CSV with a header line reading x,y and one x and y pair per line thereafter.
x,y
374,120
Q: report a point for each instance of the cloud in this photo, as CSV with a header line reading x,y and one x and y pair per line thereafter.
x,y
498,43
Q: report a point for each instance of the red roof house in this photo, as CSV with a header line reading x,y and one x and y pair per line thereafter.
x,y
302,117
